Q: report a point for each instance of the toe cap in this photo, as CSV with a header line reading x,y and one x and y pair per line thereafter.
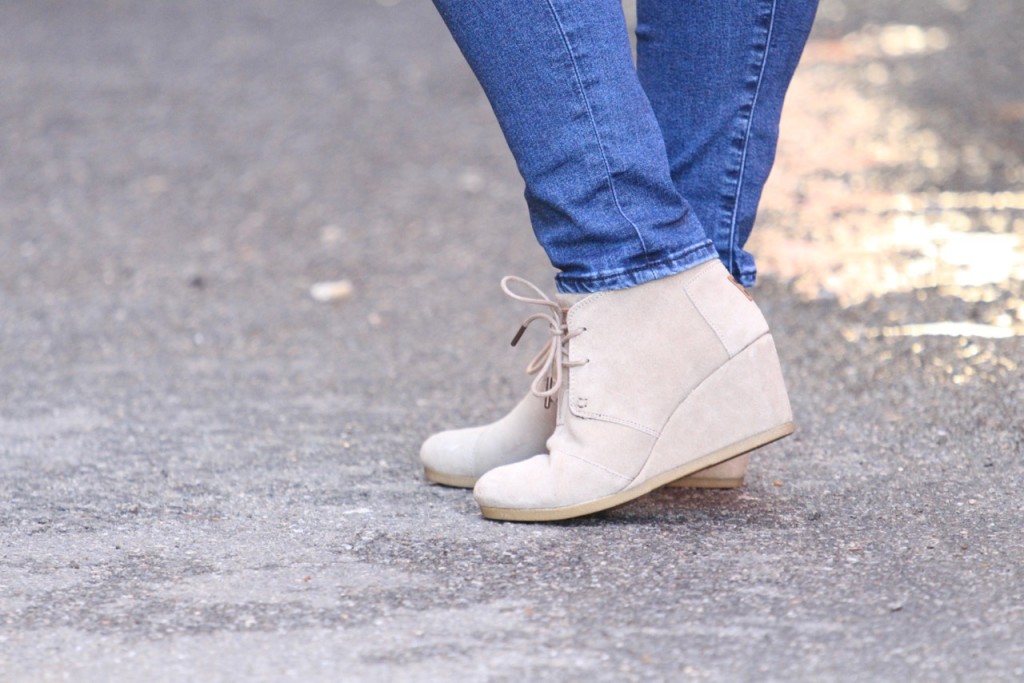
x,y
451,452
546,482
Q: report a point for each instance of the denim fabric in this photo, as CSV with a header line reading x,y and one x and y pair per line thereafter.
x,y
716,72
606,173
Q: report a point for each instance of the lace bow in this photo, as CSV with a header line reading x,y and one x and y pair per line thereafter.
x,y
548,364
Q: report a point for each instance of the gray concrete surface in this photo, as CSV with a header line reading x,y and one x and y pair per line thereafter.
x,y
207,475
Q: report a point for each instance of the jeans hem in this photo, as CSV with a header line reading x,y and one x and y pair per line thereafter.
x,y
746,276
622,279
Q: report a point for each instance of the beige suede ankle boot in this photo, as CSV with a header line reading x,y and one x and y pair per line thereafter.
x,y
655,382
458,457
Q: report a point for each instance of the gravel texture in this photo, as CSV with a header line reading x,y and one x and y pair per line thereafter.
x,y
206,474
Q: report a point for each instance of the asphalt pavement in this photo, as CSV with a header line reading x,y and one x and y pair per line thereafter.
x,y
209,474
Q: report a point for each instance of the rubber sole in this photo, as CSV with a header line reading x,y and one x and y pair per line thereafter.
x,y
693,481
454,480
590,507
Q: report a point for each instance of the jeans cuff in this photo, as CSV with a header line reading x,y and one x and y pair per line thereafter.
x,y
677,263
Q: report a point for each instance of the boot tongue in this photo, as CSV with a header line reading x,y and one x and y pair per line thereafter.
x,y
567,301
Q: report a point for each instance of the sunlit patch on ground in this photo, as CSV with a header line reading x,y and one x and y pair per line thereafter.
x,y
860,203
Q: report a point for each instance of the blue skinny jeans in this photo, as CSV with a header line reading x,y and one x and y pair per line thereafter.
x,y
636,173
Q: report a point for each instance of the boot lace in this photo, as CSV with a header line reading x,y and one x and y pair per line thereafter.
x,y
548,365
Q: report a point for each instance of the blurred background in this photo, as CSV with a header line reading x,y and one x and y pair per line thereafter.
x,y
249,255
214,149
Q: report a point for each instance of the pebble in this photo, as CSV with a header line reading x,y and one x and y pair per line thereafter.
x,y
331,291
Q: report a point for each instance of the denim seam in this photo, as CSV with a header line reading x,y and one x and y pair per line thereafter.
x,y
593,124
746,140
668,260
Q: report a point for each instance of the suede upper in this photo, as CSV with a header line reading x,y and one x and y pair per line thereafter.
x,y
661,371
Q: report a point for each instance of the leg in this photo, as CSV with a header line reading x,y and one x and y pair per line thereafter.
x,y
601,198
653,352
561,81
716,73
